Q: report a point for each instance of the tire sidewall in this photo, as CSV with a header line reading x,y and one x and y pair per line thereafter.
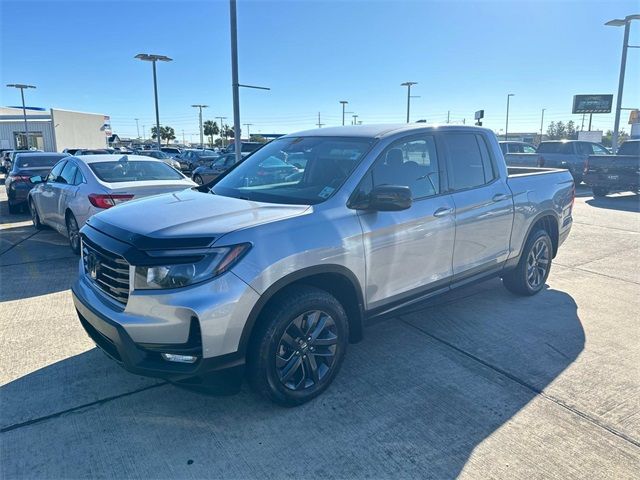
x,y
35,216
75,249
540,234
276,390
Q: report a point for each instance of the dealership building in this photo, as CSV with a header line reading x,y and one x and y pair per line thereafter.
x,y
52,130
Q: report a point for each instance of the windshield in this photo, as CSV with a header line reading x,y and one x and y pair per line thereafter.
x,y
133,171
295,170
554,147
28,161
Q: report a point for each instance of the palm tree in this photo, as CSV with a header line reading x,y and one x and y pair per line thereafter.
x,y
210,129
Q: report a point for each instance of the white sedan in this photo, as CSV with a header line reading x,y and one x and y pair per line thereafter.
x,y
79,187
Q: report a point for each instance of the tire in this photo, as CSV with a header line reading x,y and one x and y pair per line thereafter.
x,y
35,218
599,191
198,179
73,233
303,328
529,277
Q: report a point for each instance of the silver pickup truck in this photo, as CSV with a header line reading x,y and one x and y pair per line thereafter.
x,y
273,274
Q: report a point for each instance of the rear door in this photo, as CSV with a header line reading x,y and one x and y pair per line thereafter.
x,y
67,190
408,253
47,200
483,205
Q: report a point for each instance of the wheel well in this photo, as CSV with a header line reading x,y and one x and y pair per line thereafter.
x,y
337,285
550,225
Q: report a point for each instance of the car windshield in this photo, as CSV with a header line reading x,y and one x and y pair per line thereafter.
x,y
205,153
554,147
133,171
28,161
158,155
321,166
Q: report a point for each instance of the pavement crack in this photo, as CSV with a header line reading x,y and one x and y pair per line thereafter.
x,y
18,243
102,401
561,403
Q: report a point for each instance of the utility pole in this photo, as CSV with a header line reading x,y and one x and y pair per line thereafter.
x,y
623,65
137,127
200,107
542,123
506,127
355,117
248,134
144,132
222,138
24,109
319,124
448,115
408,85
183,136
343,102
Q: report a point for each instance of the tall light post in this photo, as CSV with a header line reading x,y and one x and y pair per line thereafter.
x,y
22,87
200,107
542,123
344,103
506,127
137,127
408,85
626,21
147,57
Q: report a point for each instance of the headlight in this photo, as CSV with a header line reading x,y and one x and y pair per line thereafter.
x,y
216,262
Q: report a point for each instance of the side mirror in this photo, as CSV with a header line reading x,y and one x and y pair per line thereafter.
x,y
386,198
36,179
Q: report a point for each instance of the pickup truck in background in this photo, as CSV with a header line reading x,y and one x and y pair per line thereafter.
x,y
512,146
569,154
620,172
274,276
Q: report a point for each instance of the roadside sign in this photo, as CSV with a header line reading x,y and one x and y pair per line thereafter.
x,y
594,136
479,114
592,103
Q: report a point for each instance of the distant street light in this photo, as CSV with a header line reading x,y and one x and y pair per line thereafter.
x,y
506,127
153,59
137,127
200,107
626,21
343,102
542,123
22,86
248,134
408,85
355,119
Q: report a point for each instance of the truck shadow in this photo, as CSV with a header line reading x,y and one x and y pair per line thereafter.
x,y
624,203
414,399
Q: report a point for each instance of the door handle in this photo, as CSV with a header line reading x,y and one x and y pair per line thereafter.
x,y
499,197
443,212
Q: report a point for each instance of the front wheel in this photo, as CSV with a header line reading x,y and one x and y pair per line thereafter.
x,y
529,277
299,346
73,232
198,179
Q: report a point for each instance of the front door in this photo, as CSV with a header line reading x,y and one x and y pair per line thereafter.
x,y
408,253
47,201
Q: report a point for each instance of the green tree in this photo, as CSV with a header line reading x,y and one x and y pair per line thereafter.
x,y
166,133
552,132
211,129
572,134
607,137
258,138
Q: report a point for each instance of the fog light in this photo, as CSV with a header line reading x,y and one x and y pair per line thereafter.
x,y
171,357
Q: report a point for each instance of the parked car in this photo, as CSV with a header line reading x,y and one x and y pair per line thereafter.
x,y
27,164
516,147
276,279
608,173
79,187
159,155
191,159
94,151
569,154
9,155
171,151
246,147
207,173
70,151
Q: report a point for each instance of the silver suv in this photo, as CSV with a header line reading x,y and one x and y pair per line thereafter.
x,y
277,269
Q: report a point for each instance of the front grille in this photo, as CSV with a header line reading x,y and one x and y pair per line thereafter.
x,y
108,271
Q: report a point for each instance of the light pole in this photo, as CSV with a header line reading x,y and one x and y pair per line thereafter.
x,y
355,119
153,59
344,103
137,127
626,21
22,86
408,85
200,107
221,137
506,127
542,123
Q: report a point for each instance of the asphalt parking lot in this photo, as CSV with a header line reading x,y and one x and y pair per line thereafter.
x,y
478,384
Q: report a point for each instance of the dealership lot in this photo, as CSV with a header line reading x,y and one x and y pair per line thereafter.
x,y
479,383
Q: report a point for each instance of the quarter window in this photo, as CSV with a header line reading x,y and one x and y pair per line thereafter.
x,y
412,163
55,171
469,162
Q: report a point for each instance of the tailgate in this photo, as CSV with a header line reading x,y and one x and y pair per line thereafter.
x,y
613,164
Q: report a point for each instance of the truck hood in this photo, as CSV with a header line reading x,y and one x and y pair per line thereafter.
x,y
185,219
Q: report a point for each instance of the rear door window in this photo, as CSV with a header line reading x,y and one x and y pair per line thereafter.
x,y
55,172
467,169
68,173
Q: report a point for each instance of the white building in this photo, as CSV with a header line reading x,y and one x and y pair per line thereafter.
x,y
53,130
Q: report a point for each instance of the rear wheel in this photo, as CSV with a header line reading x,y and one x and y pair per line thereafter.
x,y
35,218
198,179
529,277
73,232
600,191
299,346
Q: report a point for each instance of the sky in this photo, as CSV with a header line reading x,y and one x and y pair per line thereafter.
x,y
465,56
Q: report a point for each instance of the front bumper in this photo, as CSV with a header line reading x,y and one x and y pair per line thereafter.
x,y
150,324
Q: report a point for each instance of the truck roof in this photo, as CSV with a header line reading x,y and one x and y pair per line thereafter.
x,y
377,131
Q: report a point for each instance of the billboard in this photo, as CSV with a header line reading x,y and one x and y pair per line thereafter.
x,y
592,103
